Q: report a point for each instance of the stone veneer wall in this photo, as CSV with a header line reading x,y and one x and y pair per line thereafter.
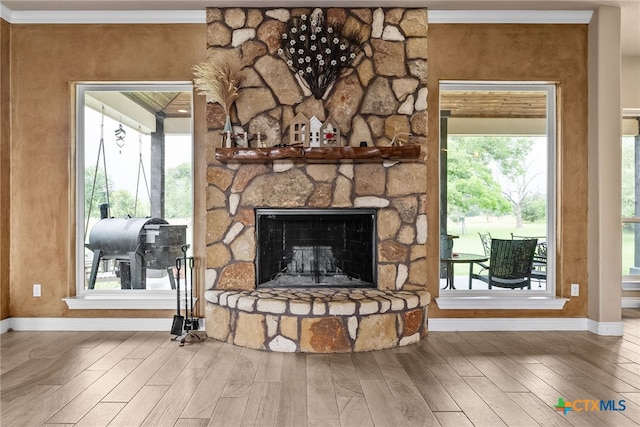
x,y
385,94
397,189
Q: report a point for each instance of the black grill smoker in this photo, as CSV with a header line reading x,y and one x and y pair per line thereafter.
x,y
136,244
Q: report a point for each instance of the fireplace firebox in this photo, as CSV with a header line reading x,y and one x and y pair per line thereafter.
x,y
316,247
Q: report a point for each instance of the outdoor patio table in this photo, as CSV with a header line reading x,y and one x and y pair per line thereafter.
x,y
461,258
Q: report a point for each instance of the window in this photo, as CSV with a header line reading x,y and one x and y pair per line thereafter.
x,y
497,181
133,190
630,204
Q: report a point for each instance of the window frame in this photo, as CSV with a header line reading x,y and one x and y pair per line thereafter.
x,y
516,298
631,128
117,298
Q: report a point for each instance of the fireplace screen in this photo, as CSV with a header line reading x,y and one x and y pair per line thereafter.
x,y
316,247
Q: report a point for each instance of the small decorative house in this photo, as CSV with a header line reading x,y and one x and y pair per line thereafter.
x,y
330,134
314,133
299,131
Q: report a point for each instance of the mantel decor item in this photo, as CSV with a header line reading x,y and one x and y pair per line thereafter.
x,y
299,131
319,52
221,83
330,134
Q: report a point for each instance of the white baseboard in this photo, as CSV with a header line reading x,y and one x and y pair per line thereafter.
x,y
526,324
88,324
630,302
435,324
606,328
5,325
507,324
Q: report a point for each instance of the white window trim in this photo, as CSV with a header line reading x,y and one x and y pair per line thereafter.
x,y
113,299
518,299
492,302
133,300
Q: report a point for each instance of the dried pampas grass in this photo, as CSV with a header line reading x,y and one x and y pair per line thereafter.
x,y
221,81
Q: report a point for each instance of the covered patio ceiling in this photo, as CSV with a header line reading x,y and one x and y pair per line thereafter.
x,y
140,109
489,104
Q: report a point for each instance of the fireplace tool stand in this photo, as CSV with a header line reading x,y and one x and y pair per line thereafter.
x,y
184,327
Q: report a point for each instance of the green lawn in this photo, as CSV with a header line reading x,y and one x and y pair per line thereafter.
x,y
501,228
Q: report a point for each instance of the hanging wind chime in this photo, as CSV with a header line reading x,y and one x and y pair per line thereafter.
x,y
120,134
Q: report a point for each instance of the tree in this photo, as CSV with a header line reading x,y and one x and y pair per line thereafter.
x,y
489,175
471,187
178,203
535,208
517,175
92,204
123,204
628,178
518,190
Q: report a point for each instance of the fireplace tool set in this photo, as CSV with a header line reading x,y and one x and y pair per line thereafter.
x,y
184,327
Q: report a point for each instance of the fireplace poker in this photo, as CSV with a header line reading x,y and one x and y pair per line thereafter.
x,y
178,319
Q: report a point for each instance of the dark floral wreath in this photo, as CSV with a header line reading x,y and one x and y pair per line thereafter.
x,y
318,53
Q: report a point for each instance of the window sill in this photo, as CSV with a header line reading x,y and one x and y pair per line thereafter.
x,y
125,302
500,303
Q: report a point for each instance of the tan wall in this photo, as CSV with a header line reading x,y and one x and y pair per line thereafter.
x,y
46,60
631,82
5,188
549,53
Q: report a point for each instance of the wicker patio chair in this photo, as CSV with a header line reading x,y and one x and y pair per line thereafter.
x,y
539,266
510,263
485,239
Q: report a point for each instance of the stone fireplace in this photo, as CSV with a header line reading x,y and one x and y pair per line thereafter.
x,y
303,316
383,96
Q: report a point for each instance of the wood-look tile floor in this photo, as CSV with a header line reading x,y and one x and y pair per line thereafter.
x,y
449,379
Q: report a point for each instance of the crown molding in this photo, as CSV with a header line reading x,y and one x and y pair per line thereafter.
x,y
5,13
510,16
104,16
199,16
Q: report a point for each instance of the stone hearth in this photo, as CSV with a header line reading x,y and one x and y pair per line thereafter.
x,y
317,321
